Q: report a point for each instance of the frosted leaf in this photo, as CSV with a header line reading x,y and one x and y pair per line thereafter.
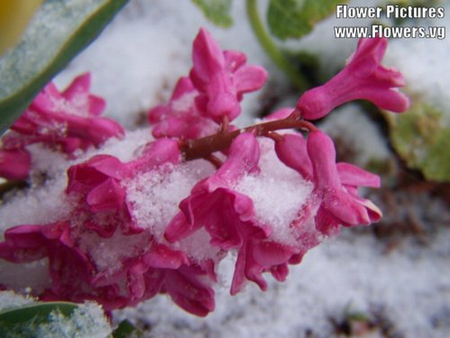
x,y
87,320
55,21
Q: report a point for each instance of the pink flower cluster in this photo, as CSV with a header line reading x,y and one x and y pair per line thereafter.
x,y
119,249
66,122
211,94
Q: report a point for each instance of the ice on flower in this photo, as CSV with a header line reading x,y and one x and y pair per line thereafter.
x,y
153,197
275,182
362,78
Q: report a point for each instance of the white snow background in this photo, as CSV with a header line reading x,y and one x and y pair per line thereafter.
x,y
134,65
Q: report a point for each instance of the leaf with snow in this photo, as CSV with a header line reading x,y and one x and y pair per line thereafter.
x,y
296,18
55,319
57,33
217,11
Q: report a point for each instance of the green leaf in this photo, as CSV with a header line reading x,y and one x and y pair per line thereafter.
x,y
126,329
22,320
218,11
59,30
296,18
421,137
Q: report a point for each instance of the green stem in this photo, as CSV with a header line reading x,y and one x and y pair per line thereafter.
x,y
272,49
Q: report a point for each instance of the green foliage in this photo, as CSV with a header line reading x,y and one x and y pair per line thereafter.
x,y
125,330
421,137
296,18
27,321
46,49
218,11
21,322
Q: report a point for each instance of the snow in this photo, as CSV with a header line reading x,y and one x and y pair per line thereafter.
x,y
135,64
423,68
10,300
154,196
349,274
346,123
278,192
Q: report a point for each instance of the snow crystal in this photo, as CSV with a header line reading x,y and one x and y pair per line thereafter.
x,y
108,254
278,192
197,246
38,205
154,196
10,300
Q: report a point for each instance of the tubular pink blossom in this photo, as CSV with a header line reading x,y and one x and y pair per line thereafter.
x,y
221,78
180,117
14,164
338,201
225,213
97,185
59,119
362,78
257,257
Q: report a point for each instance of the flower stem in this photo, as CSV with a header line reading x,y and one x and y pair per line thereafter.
x,y
271,48
205,146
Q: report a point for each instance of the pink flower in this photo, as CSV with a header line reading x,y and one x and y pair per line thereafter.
x,y
75,277
339,198
28,243
335,185
291,150
188,291
222,78
14,164
97,183
363,78
180,117
258,256
67,121
226,214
